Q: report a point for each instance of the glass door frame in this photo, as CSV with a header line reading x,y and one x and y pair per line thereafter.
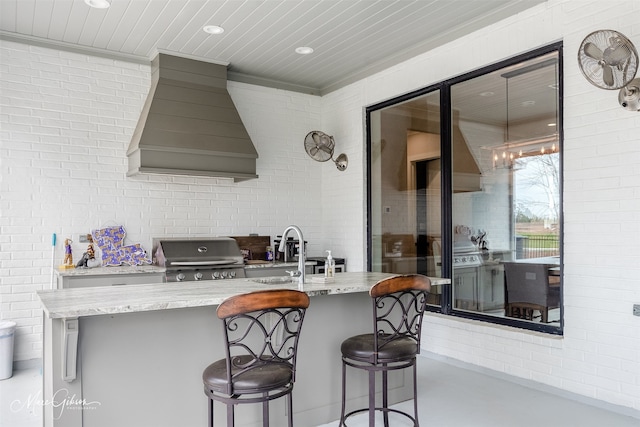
x,y
447,185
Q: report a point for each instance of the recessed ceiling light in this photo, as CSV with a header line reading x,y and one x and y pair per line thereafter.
x,y
213,29
98,4
304,50
528,103
487,93
551,124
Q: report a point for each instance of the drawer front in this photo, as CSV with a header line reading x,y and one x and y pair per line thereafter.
x,y
319,269
112,280
252,273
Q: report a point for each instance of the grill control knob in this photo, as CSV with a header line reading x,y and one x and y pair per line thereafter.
x,y
215,275
224,274
180,277
198,276
232,274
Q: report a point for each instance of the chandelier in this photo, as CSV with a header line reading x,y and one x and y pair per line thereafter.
x,y
508,154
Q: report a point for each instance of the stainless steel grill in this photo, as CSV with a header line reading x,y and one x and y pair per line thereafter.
x,y
468,259
204,259
465,252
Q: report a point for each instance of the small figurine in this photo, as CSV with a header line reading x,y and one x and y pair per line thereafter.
x,y
68,255
88,259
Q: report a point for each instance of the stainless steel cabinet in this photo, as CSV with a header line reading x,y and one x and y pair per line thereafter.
x,y
319,269
274,270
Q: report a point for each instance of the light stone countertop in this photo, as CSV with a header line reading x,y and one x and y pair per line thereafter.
x,y
78,302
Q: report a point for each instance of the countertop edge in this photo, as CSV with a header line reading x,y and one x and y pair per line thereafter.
x,y
106,300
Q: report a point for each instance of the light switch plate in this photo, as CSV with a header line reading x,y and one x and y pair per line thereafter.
x,y
636,309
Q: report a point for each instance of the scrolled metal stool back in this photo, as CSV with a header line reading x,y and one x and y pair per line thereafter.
x,y
264,337
261,331
398,315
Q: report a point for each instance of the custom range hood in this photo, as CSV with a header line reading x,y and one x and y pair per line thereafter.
x,y
466,175
189,124
425,145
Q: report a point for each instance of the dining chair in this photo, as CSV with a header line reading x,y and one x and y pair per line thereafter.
x,y
261,333
528,290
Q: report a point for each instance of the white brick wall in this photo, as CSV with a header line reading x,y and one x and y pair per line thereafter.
x,y
599,355
66,123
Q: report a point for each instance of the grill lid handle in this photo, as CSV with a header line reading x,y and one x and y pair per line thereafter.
x,y
203,263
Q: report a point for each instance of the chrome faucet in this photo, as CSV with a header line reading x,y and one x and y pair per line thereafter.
x,y
301,254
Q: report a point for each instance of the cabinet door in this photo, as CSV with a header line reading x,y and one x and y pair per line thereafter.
x,y
465,288
111,280
492,287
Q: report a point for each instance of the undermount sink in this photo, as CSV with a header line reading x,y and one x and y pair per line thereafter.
x,y
275,280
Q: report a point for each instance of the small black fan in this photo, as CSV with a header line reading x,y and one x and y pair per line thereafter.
x,y
609,60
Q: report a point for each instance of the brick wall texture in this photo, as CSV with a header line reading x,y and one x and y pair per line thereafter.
x,y
67,119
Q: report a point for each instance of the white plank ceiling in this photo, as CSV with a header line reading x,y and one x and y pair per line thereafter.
x,y
351,39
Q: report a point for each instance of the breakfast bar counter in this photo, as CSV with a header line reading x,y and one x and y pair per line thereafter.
x,y
134,355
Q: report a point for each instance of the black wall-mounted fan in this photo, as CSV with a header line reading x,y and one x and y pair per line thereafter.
x,y
609,60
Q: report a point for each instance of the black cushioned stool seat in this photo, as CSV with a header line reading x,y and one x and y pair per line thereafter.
x,y
265,377
362,347
398,307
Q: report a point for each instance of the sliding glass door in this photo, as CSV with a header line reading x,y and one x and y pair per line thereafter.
x,y
465,182
405,197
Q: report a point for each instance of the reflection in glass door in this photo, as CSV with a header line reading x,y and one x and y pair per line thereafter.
x,y
428,211
405,187
465,182
506,122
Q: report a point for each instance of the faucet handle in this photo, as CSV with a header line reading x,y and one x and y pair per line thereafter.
x,y
293,273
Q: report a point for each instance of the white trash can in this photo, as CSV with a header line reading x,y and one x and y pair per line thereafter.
x,y
7,331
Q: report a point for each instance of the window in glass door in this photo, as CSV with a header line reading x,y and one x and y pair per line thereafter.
x,y
506,216
465,182
405,188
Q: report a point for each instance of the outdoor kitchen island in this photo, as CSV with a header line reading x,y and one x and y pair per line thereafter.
x,y
134,355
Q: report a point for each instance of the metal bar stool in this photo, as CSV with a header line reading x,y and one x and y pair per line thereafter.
x,y
398,307
261,331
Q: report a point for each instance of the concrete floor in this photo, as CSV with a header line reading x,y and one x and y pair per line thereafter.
x,y
21,399
453,396
449,396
